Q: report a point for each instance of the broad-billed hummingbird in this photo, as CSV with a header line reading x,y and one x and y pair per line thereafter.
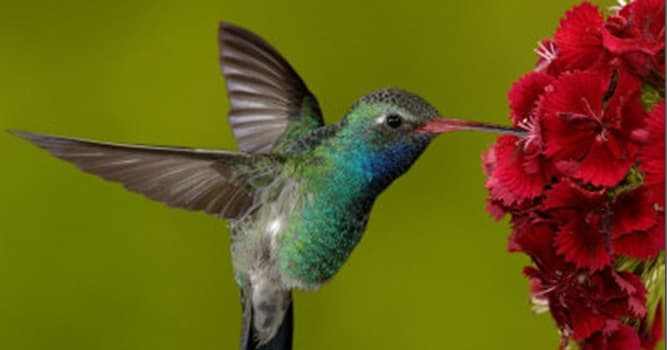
x,y
297,195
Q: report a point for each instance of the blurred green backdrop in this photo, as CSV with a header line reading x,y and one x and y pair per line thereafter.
x,y
86,265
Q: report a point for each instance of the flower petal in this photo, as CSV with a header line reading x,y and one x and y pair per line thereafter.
x,y
579,37
625,338
524,94
571,114
642,244
602,166
585,321
614,336
512,172
633,211
652,154
582,244
566,195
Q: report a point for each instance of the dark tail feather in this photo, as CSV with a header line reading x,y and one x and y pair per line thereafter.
x,y
281,341
283,338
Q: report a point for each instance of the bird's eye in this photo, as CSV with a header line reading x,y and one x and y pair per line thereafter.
x,y
394,121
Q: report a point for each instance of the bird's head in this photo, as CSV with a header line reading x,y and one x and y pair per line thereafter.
x,y
381,134
388,121
387,130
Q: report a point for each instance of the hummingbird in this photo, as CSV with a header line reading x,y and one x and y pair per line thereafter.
x,y
298,193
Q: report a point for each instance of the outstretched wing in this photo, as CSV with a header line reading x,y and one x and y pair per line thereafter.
x,y
216,182
270,104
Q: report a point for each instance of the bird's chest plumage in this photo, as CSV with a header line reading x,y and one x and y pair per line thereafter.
x,y
307,226
319,233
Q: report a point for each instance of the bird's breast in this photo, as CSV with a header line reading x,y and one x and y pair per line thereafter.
x,y
306,228
316,238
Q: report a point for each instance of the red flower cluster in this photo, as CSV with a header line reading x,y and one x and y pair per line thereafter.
x,y
585,186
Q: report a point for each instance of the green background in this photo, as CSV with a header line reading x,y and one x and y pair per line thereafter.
x,y
85,265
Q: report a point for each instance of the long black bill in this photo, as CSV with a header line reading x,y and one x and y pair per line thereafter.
x,y
443,125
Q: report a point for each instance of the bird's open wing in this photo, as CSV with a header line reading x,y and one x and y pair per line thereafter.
x,y
216,182
270,106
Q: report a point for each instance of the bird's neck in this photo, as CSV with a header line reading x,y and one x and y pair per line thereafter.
x,y
358,168
339,179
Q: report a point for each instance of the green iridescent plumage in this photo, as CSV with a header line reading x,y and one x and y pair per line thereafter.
x,y
347,170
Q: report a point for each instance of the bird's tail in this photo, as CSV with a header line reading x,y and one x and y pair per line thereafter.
x,y
250,340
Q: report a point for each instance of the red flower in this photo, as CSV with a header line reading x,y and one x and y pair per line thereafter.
x,y
523,173
503,198
588,135
525,93
614,336
549,61
642,244
579,38
494,206
637,35
652,155
534,237
585,186
580,302
633,211
636,230
592,229
584,229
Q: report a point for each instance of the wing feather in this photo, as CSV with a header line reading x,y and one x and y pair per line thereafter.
x,y
267,96
211,181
